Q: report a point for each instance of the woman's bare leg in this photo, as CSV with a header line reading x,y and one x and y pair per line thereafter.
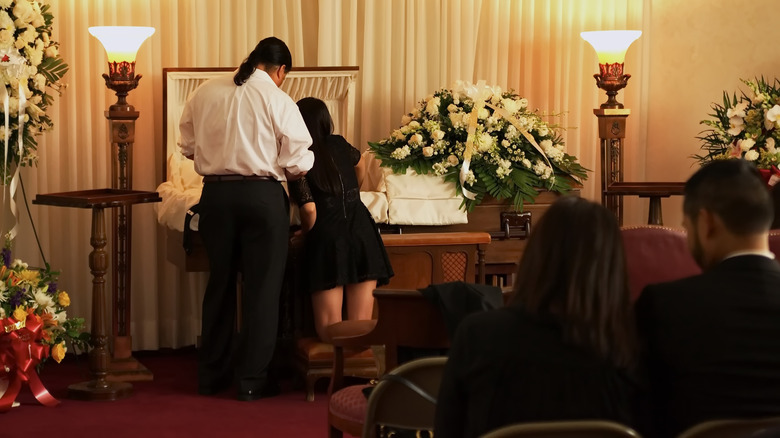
x,y
360,300
326,306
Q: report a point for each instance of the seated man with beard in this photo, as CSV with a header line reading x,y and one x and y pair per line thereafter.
x,y
713,340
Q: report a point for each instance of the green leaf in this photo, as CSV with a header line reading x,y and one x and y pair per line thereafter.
x,y
53,69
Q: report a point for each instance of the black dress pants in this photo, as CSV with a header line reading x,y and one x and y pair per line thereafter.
x,y
244,222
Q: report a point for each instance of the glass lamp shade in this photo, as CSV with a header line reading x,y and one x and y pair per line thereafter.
x,y
121,42
611,45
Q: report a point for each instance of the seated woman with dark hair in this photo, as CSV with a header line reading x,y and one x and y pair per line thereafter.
x,y
563,349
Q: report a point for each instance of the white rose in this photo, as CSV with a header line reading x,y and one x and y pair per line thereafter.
x,y
437,134
452,160
37,20
6,3
751,155
35,56
427,151
39,82
52,51
746,144
6,22
398,135
24,13
523,102
432,108
542,130
770,144
6,39
415,140
414,125
452,108
405,119
511,105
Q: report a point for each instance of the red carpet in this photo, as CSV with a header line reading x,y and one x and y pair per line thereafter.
x,y
169,406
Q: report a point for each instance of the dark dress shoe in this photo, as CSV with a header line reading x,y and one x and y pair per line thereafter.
x,y
268,390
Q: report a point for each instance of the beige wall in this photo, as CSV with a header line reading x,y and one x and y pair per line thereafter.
x,y
698,49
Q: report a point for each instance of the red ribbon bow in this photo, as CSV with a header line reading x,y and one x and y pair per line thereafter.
x,y
20,352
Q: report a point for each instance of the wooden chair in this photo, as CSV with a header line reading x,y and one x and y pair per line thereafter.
x,y
394,404
656,254
743,428
565,429
405,318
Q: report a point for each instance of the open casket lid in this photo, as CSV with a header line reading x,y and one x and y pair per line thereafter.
x,y
336,86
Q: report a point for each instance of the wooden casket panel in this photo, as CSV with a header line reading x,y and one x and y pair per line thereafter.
x,y
487,217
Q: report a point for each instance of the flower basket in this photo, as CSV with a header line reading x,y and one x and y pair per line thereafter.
x,y
33,327
746,127
484,141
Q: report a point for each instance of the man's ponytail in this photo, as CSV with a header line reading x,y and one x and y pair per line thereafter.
x,y
270,52
245,69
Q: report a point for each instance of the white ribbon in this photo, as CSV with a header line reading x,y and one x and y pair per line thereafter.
x,y
12,63
7,131
478,94
20,147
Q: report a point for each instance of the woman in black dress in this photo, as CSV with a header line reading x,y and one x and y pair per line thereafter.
x,y
344,254
563,349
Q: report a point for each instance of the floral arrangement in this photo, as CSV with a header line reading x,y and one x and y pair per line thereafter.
x,y
745,126
33,327
30,65
514,152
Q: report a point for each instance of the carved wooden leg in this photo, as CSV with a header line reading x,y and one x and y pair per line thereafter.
x,y
481,264
99,388
654,215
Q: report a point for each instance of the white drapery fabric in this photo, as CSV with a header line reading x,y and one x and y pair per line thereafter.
x,y
406,49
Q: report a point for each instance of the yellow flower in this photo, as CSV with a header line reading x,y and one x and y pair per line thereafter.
x,y
63,299
20,314
29,276
58,352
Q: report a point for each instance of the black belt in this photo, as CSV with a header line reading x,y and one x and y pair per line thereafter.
x,y
224,178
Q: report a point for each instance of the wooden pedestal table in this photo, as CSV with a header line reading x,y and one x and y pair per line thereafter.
x,y
99,388
653,190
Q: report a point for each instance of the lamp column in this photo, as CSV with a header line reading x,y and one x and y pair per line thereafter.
x,y
612,132
121,44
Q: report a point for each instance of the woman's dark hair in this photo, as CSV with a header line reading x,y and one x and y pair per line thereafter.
x,y
324,175
271,52
573,270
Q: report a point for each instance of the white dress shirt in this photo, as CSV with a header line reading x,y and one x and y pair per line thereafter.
x,y
254,129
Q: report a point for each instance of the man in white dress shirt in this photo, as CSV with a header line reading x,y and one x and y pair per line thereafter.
x,y
245,136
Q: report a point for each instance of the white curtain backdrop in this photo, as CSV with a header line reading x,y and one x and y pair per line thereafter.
x,y
406,49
